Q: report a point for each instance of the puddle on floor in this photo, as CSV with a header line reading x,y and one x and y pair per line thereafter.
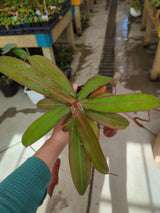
x,y
85,51
133,62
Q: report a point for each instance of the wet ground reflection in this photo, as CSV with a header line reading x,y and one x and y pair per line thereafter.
x,y
133,61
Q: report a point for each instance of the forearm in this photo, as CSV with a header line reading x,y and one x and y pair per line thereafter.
x,y
50,151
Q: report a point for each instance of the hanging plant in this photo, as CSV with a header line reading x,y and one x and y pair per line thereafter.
x,y
91,105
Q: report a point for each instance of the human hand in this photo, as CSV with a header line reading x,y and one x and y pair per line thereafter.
x,y
59,136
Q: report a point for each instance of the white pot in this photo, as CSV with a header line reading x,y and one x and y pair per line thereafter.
x,y
134,13
33,96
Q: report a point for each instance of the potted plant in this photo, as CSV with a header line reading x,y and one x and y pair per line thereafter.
x,y
82,110
63,57
135,7
8,87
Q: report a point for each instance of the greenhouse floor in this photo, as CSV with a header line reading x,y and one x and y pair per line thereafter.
x,y
129,153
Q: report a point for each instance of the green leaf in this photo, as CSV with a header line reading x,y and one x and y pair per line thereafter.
x,y
49,69
43,125
90,142
122,103
79,162
48,103
26,75
20,53
94,127
67,123
7,48
101,95
111,120
93,84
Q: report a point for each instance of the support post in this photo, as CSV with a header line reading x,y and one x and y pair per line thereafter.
x,y
144,16
48,53
90,5
156,64
78,19
147,36
70,35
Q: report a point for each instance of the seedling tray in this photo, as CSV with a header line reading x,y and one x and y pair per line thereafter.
x,y
36,28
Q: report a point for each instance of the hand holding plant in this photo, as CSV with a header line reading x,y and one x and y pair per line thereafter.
x,y
82,111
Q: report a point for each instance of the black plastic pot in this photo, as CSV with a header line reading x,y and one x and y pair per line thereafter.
x,y
67,71
9,90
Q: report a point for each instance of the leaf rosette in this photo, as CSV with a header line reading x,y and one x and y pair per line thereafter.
x,y
84,110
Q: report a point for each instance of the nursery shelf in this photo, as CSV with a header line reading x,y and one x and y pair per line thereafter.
x,y
39,27
44,38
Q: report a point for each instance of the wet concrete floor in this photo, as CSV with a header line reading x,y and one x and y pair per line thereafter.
x,y
133,61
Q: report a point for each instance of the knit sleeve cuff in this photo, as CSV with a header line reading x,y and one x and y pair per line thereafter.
x,y
25,188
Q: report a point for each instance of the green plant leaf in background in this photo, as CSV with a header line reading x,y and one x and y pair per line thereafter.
x,y
20,53
7,48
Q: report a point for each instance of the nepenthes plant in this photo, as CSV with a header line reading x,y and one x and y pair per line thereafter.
x,y
83,110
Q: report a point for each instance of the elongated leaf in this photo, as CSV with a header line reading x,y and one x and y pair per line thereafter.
x,y
94,127
101,95
79,162
43,125
49,69
48,103
26,75
98,91
93,84
111,120
7,48
21,53
90,142
67,123
122,103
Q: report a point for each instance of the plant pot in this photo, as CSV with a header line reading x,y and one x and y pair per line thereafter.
x,y
35,97
135,13
67,71
9,90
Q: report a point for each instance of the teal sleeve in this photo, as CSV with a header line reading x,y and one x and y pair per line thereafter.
x,y
25,188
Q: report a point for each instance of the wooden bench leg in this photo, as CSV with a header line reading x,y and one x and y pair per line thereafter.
x,y
144,17
156,64
156,148
70,35
48,53
87,7
149,25
91,5
78,20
